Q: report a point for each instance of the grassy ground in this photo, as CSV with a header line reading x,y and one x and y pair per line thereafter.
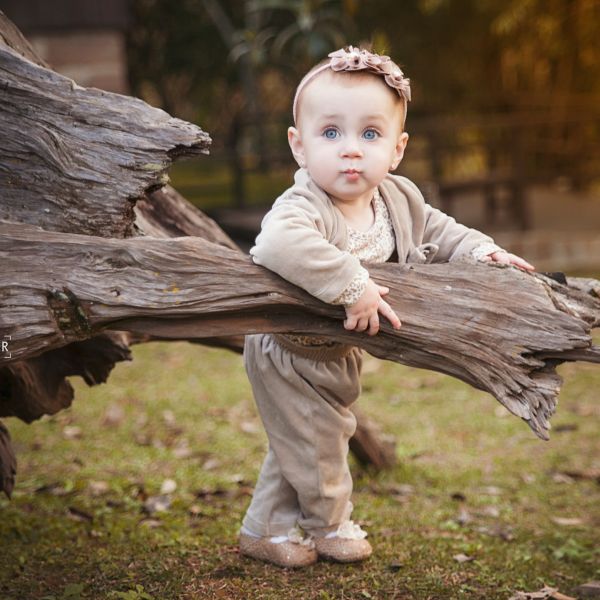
x,y
471,480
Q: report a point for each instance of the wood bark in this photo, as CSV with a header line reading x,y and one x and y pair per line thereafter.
x,y
75,159
497,328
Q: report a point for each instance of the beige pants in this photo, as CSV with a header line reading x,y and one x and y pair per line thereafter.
x,y
303,404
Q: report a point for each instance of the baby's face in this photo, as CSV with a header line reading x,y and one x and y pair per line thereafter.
x,y
349,135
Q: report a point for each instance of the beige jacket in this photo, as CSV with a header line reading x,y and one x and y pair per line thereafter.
x,y
303,237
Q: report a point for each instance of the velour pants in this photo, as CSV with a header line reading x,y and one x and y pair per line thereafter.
x,y
303,401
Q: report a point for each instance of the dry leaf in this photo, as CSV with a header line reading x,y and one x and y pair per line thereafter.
x,y
461,558
489,511
182,449
79,515
211,463
546,593
72,432
55,489
97,488
464,517
152,523
567,521
155,504
491,490
168,486
169,418
113,415
562,478
251,427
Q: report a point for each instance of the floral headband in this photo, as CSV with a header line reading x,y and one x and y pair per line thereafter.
x,y
355,59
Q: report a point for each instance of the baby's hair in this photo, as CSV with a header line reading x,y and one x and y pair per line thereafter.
x,y
358,62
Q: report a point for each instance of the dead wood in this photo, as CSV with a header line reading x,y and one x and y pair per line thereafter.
x,y
498,329
38,386
76,159
8,462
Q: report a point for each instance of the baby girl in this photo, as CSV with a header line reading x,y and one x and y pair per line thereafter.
x,y
345,208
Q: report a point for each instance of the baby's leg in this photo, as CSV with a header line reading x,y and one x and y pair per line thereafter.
x,y
304,405
274,509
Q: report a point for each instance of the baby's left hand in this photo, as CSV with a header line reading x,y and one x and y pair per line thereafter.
x,y
506,258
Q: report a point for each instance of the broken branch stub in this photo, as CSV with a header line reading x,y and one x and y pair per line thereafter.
x,y
75,159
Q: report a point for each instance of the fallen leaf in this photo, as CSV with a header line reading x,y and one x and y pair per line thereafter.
x,y
461,558
251,427
504,533
464,517
195,510
546,593
567,521
79,515
97,488
489,511
182,449
491,490
72,432
54,489
152,523
169,418
155,504
113,415
562,478
168,486
211,463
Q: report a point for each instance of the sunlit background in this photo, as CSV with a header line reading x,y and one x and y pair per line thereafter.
x,y
504,122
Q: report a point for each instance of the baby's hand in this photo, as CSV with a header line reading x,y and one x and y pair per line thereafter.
x,y
506,258
363,315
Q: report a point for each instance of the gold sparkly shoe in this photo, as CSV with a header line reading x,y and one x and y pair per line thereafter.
x,y
291,552
347,544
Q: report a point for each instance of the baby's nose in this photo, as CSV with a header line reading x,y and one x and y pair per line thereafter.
x,y
351,148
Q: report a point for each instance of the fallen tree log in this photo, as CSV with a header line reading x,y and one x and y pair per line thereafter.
x,y
498,329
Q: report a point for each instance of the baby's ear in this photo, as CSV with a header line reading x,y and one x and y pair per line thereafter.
x,y
399,150
297,147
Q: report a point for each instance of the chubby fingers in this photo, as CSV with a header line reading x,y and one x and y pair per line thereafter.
x,y
506,258
520,262
386,310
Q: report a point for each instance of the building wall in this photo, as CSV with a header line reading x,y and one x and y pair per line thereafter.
x,y
93,58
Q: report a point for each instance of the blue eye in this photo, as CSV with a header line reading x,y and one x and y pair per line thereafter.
x,y
330,133
370,134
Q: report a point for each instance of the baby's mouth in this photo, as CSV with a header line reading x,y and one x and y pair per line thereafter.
x,y
351,174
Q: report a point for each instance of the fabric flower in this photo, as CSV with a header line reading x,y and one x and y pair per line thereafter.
x,y
354,59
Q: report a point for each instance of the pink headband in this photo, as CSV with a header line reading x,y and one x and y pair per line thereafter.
x,y
355,59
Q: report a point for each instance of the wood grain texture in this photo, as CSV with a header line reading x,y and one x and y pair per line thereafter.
x,y
76,159
497,328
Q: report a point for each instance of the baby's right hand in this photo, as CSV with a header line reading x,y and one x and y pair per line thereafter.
x,y
363,315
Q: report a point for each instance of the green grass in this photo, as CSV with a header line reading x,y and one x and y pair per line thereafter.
x,y
65,536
